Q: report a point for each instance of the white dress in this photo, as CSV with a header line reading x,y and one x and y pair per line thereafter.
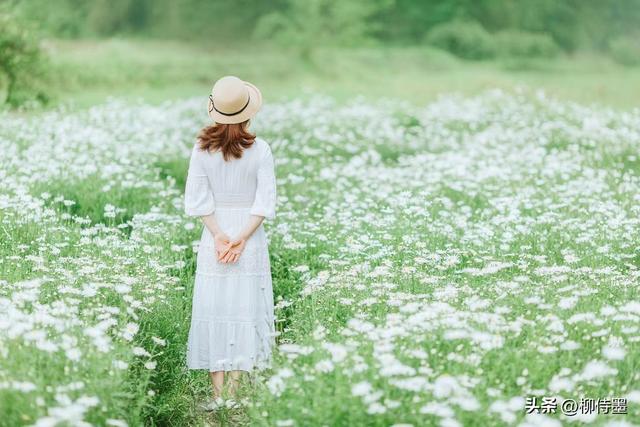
x,y
232,323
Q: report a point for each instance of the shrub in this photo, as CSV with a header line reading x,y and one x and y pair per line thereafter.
x,y
21,62
466,39
522,44
625,50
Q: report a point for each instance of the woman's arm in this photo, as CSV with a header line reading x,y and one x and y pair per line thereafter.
x,y
220,240
250,228
212,224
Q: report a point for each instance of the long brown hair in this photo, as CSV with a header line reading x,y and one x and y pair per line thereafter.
x,y
230,139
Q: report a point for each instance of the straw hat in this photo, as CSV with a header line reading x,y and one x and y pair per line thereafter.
x,y
233,100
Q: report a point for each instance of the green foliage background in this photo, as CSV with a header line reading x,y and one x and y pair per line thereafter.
x,y
316,42
572,24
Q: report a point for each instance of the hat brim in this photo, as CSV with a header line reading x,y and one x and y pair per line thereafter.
x,y
255,102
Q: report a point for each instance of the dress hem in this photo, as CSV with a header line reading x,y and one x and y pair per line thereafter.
x,y
228,366
231,274
200,355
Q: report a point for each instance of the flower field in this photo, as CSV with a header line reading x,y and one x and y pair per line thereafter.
x,y
432,266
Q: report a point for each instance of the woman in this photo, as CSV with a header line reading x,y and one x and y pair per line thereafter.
x,y
231,186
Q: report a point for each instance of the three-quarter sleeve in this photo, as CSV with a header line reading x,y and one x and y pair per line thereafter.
x,y
198,198
265,201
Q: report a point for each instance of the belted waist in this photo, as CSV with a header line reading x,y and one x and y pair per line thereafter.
x,y
233,200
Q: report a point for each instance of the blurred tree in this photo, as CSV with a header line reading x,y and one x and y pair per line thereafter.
x,y
466,39
215,21
409,20
305,24
64,18
559,19
21,62
524,45
572,24
108,17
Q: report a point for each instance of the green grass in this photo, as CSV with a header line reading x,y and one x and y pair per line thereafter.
x,y
88,72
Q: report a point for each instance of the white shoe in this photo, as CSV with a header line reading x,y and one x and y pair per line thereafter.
x,y
213,404
230,403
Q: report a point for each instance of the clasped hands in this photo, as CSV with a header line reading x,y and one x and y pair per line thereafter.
x,y
228,250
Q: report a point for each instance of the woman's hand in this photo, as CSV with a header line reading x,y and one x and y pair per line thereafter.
x,y
222,243
234,251
236,246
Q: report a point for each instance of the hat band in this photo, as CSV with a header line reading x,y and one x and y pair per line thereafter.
x,y
230,114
